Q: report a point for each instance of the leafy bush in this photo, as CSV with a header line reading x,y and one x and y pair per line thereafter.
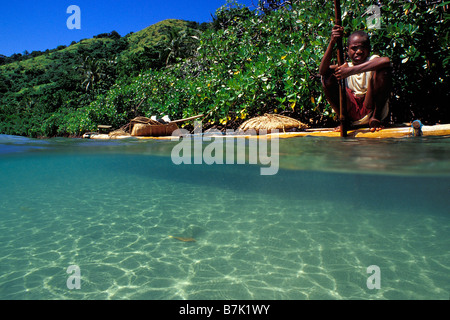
x,y
254,62
415,36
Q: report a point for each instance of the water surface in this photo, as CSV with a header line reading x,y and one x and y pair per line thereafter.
x,y
334,208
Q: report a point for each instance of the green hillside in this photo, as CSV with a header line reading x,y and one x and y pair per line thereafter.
x,y
36,87
157,33
133,43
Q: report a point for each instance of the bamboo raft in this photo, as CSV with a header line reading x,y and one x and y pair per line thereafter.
x,y
397,132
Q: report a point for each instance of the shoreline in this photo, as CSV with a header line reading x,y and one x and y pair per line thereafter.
x,y
400,131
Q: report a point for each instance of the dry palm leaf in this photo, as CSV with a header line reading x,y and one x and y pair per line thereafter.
x,y
271,122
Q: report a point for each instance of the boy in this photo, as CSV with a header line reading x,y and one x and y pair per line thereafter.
x,y
367,80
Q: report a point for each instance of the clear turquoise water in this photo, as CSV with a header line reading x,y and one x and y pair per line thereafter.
x,y
311,231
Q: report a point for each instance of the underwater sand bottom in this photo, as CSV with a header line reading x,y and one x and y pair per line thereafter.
x,y
248,245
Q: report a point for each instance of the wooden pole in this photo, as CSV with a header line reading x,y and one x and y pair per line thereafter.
x,y
187,119
340,56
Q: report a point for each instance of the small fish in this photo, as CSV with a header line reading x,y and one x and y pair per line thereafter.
x,y
183,239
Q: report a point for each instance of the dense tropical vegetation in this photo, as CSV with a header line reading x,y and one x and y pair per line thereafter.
x,y
245,63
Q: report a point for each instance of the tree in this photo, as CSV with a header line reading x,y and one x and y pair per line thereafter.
x,y
114,35
180,43
271,5
92,70
230,14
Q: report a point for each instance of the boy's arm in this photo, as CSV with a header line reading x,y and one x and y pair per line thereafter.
x,y
375,64
336,33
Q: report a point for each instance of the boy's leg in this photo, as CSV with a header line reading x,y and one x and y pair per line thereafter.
x,y
331,89
377,95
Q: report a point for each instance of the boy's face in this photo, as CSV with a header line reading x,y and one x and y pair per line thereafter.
x,y
358,49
